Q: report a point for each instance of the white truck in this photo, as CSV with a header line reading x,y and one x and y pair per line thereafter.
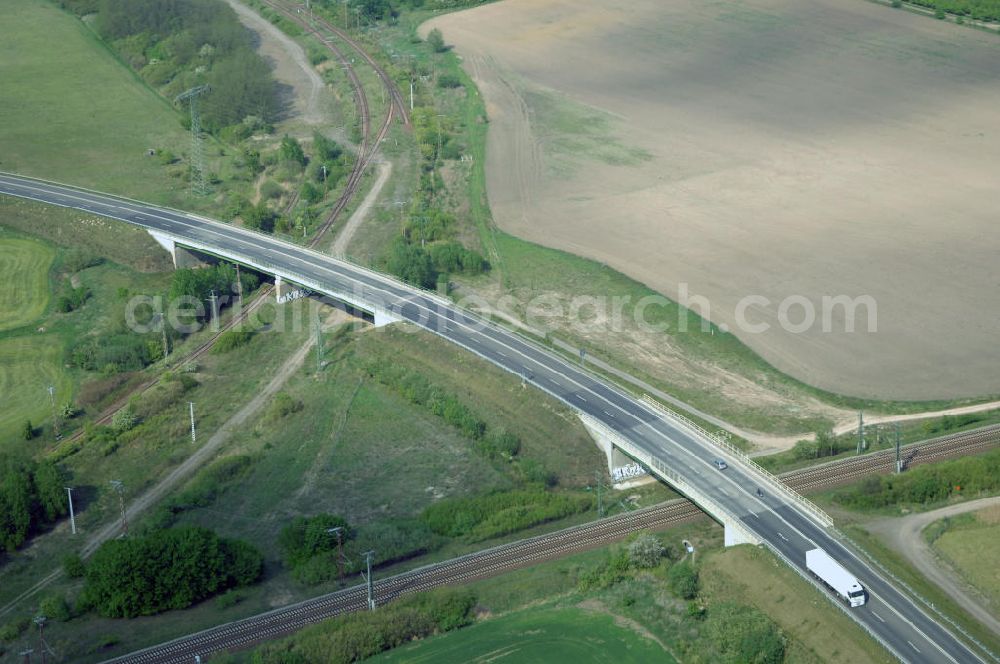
x,y
833,574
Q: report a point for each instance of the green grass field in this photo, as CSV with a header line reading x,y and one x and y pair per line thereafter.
x,y
73,113
24,293
971,547
28,366
537,635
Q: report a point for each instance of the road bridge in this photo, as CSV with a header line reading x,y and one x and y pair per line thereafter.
x,y
678,453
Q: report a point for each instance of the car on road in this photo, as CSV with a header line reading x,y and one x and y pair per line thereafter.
x,y
720,464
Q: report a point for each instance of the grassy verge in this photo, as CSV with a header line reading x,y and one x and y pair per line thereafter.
x,y
968,543
538,635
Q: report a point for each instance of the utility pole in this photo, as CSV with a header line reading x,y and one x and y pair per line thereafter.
x,y
72,517
239,285
120,488
368,580
338,531
55,415
899,458
215,316
861,431
26,654
194,438
163,334
319,345
198,185
600,498
40,621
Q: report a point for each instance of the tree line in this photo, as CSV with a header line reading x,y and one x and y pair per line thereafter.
x,y
980,10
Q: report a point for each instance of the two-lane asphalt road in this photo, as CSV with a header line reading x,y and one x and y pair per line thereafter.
x,y
892,617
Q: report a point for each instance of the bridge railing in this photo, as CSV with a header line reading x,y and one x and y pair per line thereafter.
x,y
743,458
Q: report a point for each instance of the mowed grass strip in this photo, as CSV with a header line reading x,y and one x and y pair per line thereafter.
x,y
24,290
28,366
536,635
71,112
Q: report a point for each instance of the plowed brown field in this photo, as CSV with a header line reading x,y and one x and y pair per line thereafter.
x,y
762,147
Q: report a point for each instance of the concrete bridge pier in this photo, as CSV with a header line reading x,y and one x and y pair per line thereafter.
x,y
182,257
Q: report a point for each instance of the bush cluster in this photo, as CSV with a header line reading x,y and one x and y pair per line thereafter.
x,y
31,495
167,569
982,10
491,515
232,339
927,484
358,636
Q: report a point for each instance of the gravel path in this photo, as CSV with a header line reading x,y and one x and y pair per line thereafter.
x,y
905,535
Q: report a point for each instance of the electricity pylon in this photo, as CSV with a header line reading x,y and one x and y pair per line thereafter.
x,y
198,185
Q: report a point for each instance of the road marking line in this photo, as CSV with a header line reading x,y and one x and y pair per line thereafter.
x,y
782,536
913,646
878,616
755,515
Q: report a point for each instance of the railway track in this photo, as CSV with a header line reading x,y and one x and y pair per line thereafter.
x,y
507,557
836,473
105,416
368,147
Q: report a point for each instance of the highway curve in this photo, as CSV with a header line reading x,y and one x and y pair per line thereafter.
x,y
890,616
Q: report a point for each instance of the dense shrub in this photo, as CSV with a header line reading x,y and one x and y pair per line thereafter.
x,y
358,636
683,580
112,353
412,264
927,484
232,339
124,419
31,494
449,81
646,551
743,635
306,537
492,515
167,569
608,572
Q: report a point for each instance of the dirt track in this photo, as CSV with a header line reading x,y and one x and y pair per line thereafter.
x,y
301,86
905,535
762,147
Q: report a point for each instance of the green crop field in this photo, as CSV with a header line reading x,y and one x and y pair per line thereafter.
x,y
537,635
24,291
72,113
